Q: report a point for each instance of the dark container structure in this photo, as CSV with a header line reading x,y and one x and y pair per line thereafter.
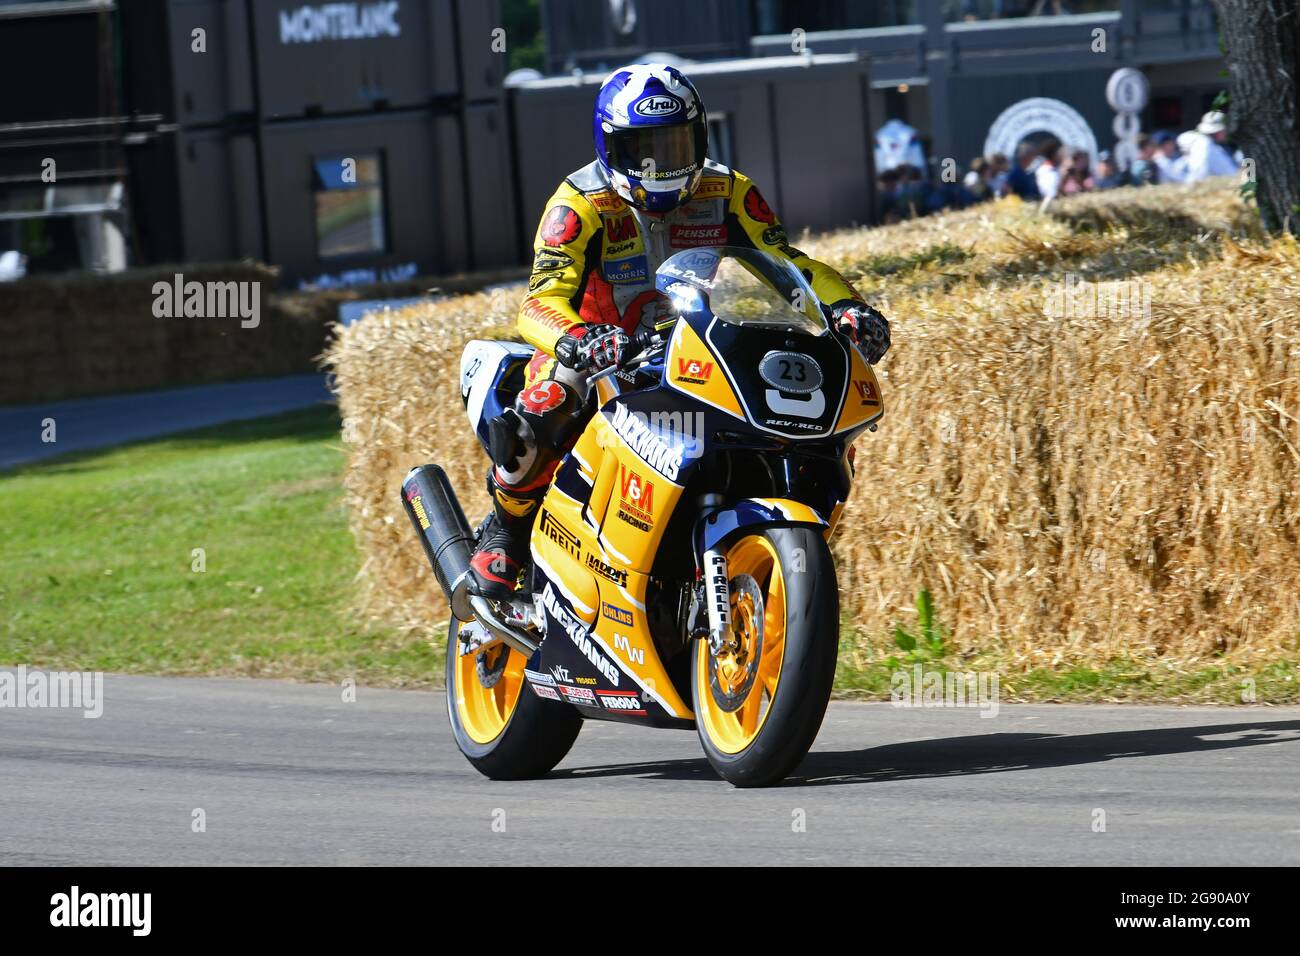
x,y
377,140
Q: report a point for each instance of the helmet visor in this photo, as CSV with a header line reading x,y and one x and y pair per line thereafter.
x,y
657,154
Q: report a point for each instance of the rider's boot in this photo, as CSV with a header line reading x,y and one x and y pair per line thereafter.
x,y
502,552
524,444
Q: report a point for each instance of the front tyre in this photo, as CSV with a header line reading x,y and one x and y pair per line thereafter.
x,y
760,702
505,730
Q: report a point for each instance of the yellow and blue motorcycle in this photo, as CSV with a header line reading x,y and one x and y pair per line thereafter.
x,y
680,572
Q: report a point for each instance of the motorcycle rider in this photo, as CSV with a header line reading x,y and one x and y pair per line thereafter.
x,y
650,193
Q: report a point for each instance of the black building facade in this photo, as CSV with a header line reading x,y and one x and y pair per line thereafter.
x,y
333,140
946,67
378,140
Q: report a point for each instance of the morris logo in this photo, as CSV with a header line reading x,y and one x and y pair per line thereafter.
x,y
657,106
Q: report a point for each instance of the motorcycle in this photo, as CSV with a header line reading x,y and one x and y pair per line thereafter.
x,y
681,575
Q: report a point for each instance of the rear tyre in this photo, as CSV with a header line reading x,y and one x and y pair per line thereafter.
x,y
759,705
504,729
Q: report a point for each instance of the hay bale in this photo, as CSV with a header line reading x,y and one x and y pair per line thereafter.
x,y
97,334
1071,485
396,373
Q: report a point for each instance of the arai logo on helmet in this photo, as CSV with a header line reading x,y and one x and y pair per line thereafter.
x,y
658,105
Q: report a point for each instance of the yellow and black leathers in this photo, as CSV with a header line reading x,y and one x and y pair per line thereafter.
x,y
595,256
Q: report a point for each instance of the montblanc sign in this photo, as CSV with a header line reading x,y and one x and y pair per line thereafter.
x,y
340,21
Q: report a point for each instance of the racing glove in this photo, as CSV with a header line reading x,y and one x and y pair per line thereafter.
x,y
591,348
865,326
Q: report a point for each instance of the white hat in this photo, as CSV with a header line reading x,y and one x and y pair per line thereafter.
x,y
1211,123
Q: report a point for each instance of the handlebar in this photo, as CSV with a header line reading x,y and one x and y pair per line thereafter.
x,y
641,343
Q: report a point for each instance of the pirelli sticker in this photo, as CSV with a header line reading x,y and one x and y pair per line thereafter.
x,y
606,201
713,187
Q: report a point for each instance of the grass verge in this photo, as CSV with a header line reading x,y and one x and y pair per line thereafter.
x,y
1117,681
99,571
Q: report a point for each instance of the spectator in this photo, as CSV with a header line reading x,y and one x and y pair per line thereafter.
x,y
1108,174
887,187
914,194
976,181
998,169
1020,180
1204,149
1168,162
1076,177
1143,172
1048,174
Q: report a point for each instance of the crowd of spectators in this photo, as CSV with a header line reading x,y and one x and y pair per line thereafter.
x,y
1040,172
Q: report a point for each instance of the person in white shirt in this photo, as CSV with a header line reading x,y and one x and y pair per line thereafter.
x,y
1048,175
1172,167
1204,150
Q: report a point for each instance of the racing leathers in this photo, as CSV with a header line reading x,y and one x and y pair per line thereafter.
x,y
592,286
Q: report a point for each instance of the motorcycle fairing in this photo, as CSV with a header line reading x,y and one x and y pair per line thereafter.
x,y
862,402
491,375
712,530
692,368
596,535
811,415
600,658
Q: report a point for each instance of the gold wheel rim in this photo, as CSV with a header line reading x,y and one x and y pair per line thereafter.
x,y
732,730
486,710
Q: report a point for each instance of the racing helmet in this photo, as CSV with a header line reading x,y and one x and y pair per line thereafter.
x,y
651,135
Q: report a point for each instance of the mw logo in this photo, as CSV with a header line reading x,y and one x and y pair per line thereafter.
x,y
634,654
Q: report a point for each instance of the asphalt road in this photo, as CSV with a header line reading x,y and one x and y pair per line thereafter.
x,y
87,423
288,773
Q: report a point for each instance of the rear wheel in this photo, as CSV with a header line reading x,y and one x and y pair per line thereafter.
x,y
504,729
760,701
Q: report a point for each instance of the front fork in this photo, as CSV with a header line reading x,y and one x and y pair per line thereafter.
x,y
713,591
717,600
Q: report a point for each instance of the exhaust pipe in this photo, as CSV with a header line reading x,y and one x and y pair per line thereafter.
x,y
448,542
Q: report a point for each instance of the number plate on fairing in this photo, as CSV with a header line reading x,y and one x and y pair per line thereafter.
x,y
791,372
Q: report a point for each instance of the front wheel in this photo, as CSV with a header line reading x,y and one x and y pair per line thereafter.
x,y
759,702
504,729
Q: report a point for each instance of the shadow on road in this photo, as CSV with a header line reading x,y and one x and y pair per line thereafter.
x,y
979,753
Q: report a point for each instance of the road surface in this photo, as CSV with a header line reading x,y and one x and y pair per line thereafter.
x,y
84,424
285,773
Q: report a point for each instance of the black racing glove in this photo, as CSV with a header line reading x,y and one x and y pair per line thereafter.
x,y
865,326
591,348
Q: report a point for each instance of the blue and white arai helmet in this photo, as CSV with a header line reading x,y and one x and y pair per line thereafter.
x,y
651,135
